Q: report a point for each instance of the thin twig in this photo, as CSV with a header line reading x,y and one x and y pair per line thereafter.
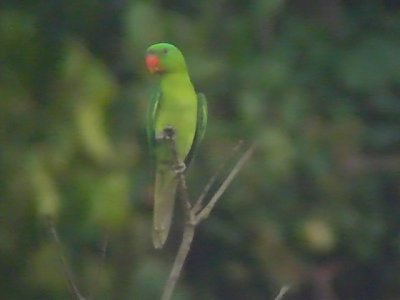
x,y
208,208
169,137
103,254
199,203
282,292
185,194
189,227
180,258
67,272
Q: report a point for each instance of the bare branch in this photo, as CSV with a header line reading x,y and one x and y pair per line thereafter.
x,y
191,220
199,203
67,272
189,227
180,258
282,292
208,208
178,166
185,196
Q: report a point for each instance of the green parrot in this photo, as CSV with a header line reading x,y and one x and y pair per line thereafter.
x,y
174,104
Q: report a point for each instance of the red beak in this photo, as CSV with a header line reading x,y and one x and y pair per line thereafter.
x,y
153,63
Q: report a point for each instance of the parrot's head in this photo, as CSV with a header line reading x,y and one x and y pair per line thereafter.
x,y
164,58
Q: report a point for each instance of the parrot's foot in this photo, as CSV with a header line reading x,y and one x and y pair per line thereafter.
x,y
180,168
169,133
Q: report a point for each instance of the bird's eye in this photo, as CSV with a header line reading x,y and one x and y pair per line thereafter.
x,y
165,50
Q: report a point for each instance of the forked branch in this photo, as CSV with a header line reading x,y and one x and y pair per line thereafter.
x,y
194,214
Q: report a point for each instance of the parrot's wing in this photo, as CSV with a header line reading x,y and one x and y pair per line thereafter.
x,y
151,120
200,127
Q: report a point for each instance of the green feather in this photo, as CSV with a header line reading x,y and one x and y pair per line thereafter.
x,y
151,117
202,112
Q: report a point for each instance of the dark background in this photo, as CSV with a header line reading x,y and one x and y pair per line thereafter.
x,y
316,82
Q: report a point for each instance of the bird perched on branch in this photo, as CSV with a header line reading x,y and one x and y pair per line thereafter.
x,y
174,104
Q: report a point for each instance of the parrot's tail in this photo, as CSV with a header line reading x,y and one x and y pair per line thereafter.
x,y
164,199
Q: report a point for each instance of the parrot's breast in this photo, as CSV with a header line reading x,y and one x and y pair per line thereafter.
x,y
178,108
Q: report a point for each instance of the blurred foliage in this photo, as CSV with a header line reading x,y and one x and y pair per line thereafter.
x,y
317,83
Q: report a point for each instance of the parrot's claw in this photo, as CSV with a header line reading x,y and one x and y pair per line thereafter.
x,y
180,168
169,133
